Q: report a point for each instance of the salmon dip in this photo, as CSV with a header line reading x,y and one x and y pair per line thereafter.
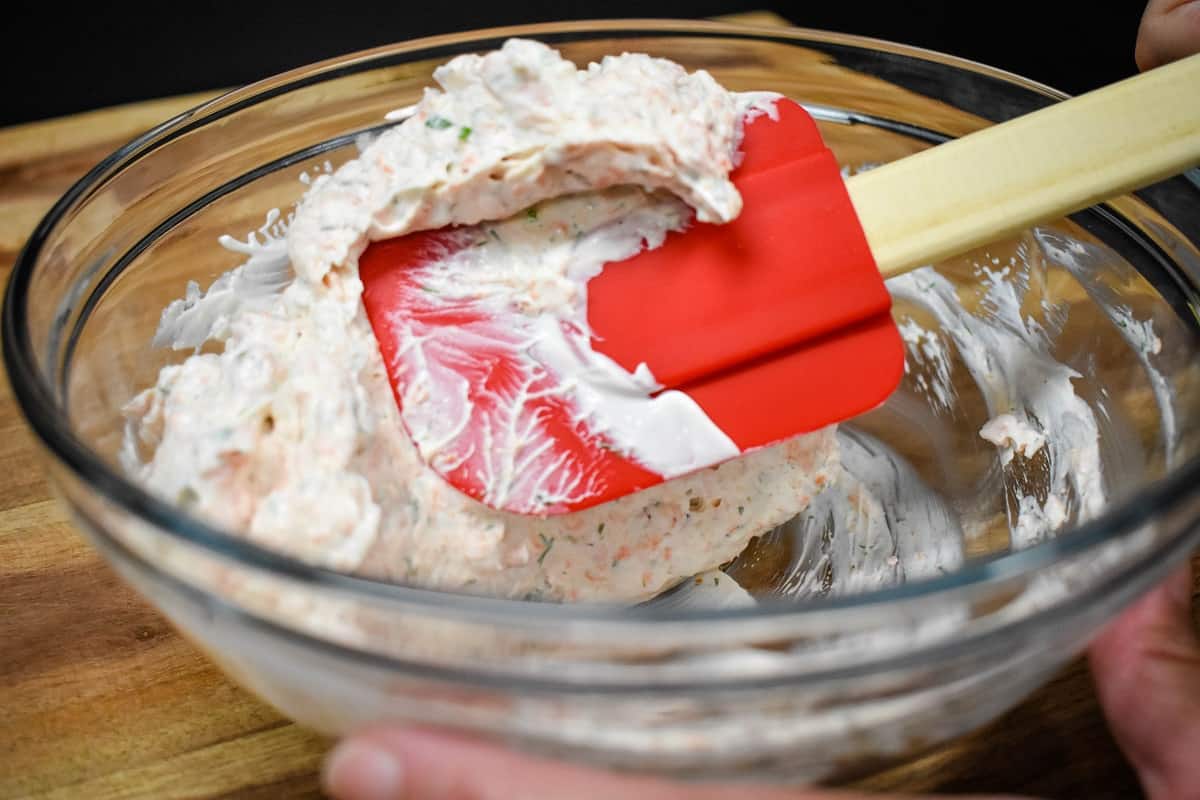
x,y
282,425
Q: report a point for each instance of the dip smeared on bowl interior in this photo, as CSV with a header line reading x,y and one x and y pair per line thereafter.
x,y
291,433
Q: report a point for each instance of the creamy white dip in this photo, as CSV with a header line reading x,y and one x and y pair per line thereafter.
x,y
290,433
520,125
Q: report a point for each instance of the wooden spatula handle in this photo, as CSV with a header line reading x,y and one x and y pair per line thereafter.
x,y
1068,156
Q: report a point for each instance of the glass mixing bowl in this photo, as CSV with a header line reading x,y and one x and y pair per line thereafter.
x,y
944,579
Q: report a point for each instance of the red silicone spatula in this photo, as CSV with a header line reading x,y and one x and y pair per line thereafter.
x,y
775,324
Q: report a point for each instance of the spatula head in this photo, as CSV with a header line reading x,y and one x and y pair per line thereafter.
x,y
776,324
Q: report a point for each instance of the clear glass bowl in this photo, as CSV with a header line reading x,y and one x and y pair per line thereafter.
x,y
932,613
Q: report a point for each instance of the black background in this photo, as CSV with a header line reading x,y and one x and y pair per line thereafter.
x,y
58,58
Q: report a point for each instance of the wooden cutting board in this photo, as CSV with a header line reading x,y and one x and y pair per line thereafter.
x,y
100,698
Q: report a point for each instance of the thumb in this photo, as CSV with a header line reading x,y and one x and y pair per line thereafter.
x,y
1147,670
390,763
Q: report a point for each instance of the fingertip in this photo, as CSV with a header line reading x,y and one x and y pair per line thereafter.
x,y
1169,30
362,768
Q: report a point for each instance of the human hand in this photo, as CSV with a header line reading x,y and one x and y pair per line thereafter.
x,y
1147,669
1170,30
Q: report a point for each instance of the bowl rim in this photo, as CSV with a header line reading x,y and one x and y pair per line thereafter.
x,y
37,400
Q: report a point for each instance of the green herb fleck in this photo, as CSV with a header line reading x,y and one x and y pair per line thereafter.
x,y
547,543
425,288
464,133
741,509
188,497
600,529
531,212
438,123
616,561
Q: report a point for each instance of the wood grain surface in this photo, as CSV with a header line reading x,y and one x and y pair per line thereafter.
x,y
100,698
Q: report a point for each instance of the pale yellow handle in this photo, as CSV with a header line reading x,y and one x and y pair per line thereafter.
x,y
970,191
